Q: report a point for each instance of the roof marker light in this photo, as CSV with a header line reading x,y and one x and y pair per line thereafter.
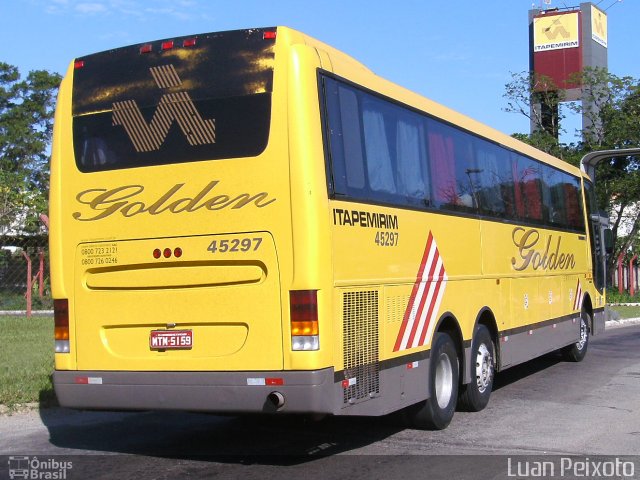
x,y
189,42
146,48
168,45
270,35
78,64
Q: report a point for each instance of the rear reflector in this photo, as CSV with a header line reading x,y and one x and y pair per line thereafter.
x,y
88,380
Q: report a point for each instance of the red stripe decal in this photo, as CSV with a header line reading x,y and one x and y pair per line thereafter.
x,y
424,301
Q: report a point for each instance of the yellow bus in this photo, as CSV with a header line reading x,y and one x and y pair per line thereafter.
x,y
253,221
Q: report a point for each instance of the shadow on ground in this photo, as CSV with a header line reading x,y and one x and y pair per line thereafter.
x,y
275,440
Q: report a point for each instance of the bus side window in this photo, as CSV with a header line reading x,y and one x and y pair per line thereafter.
x,y
412,158
573,202
377,146
553,196
453,168
347,163
527,178
442,163
493,179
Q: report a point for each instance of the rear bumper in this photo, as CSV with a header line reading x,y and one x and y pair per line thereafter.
x,y
233,392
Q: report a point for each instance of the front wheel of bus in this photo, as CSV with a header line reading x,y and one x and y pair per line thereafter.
x,y
576,351
475,395
436,412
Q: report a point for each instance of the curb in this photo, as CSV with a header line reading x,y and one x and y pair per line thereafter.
x,y
625,322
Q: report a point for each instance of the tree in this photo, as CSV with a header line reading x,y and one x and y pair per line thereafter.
x,y
526,93
611,120
26,122
610,110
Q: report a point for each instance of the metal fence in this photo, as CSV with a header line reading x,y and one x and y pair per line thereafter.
x,y
24,273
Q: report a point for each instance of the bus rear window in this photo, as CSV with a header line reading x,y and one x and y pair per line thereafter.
x,y
203,97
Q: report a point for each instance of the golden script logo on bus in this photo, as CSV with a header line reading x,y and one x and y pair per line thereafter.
x,y
532,255
107,202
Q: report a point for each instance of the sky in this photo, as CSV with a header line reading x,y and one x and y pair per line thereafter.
x,y
458,53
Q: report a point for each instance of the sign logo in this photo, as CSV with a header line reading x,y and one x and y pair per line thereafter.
x,y
555,32
27,467
424,302
532,254
173,107
126,200
598,26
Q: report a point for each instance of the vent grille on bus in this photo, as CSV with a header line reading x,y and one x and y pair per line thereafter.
x,y
360,333
396,307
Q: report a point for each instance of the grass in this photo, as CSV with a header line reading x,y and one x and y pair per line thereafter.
x,y
613,296
16,301
627,312
26,360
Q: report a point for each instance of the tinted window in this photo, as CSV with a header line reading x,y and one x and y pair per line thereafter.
x,y
206,101
494,180
384,152
527,184
378,149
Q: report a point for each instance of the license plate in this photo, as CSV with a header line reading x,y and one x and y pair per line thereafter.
x,y
170,339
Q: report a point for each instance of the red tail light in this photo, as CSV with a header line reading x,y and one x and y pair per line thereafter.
x,y
304,305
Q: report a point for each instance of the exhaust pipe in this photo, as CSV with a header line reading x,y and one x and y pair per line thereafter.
x,y
276,399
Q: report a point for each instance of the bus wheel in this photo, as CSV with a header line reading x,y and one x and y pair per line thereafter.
x,y
475,395
576,351
436,412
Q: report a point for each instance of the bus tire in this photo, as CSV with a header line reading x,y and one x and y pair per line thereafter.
x,y
577,351
475,395
436,412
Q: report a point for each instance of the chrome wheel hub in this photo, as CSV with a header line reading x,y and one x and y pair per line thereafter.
x,y
444,381
583,335
484,368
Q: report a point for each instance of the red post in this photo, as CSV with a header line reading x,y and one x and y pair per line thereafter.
x,y
29,280
632,278
45,220
620,275
41,274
